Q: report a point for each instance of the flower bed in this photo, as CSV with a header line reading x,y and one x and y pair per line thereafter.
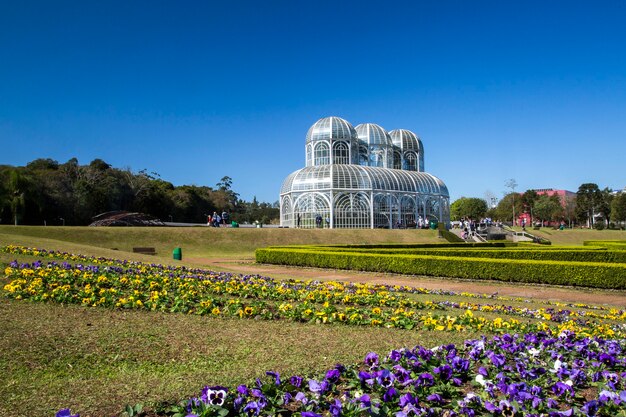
x,y
159,288
535,374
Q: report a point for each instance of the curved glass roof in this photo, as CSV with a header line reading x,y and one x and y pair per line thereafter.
x,y
363,178
406,140
373,134
328,128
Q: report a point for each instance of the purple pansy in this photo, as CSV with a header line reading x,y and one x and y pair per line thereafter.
x,y
65,412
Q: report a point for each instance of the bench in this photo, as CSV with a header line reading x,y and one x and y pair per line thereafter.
x,y
145,251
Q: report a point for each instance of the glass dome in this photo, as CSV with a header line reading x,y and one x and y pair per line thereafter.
x,y
409,149
375,146
405,140
373,134
331,128
331,140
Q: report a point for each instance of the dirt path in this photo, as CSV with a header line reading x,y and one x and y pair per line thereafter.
x,y
551,293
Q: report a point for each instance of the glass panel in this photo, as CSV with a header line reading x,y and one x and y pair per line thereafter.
x,y
397,160
352,210
321,154
340,153
312,211
410,161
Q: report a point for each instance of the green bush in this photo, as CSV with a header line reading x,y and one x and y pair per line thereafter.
x,y
610,244
569,254
424,245
583,274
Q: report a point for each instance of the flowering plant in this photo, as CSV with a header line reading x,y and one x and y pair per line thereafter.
x,y
536,374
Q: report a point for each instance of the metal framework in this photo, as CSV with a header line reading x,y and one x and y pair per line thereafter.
x,y
352,180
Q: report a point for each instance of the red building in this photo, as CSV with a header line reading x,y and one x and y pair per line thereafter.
x,y
563,195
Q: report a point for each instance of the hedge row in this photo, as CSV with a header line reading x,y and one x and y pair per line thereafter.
x,y
418,245
584,254
587,274
611,244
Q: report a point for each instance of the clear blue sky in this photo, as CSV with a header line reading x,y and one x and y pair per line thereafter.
x,y
530,90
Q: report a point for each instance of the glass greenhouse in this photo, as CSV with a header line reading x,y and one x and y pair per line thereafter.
x,y
363,177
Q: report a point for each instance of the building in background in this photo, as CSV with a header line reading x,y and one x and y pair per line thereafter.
x,y
363,177
563,195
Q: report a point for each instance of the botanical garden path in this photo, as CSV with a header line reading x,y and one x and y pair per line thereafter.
x,y
563,294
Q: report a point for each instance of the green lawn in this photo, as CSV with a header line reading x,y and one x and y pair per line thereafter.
x,y
96,361
575,236
198,241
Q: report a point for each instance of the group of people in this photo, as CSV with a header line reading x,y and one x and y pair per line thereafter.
x,y
469,227
215,220
420,223
319,220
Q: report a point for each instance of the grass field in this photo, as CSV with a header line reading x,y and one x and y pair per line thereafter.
x,y
97,360
199,241
575,236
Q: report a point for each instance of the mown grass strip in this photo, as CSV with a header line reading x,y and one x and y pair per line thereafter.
x,y
568,255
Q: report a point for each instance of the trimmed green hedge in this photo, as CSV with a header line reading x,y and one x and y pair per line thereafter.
x,y
583,274
421,245
610,244
576,255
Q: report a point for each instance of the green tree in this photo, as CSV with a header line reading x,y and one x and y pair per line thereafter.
x,y
618,208
46,191
225,183
42,206
4,193
604,207
504,210
590,202
98,189
527,202
569,209
473,208
16,190
548,208
512,184
224,198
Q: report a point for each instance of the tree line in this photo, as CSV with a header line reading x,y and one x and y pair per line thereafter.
x,y
48,192
590,207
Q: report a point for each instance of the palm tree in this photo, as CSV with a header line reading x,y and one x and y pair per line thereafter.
x,y
16,190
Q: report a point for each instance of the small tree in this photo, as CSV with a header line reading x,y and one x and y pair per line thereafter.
x,y
618,209
528,200
512,184
547,208
588,199
569,209
473,208
16,189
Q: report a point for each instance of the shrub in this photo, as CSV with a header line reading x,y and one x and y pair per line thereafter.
x,y
610,244
584,274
